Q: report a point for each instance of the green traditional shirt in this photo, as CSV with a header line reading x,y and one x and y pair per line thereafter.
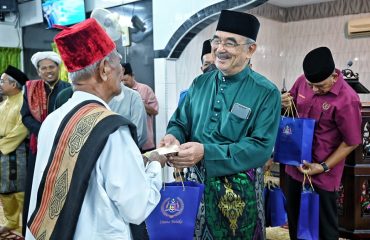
x,y
231,144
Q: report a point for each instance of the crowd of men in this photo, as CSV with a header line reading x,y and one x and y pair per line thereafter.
x,y
85,177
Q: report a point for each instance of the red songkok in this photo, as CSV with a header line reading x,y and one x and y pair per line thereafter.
x,y
83,44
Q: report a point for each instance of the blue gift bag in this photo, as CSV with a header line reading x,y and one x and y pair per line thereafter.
x,y
275,211
308,221
175,215
294,141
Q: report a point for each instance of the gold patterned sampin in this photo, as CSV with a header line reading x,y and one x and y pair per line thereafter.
x,y
231,206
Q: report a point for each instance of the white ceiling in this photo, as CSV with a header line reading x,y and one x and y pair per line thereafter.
x,y
294,3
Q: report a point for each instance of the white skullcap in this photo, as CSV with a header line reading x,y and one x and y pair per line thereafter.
x,y
37,57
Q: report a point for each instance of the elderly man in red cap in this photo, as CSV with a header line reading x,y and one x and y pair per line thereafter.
x,y
321,93
12,147
228,122
91,182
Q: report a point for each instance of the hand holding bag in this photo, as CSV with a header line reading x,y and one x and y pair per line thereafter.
x,y
275,210
294,139
308,221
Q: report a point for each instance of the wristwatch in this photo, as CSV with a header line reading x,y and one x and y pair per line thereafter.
x,y
325,167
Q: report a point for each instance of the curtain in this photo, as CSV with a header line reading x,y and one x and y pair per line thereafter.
x,y
9,56
63,74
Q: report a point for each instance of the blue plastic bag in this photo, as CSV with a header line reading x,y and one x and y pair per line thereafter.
x,y
308,221
294,141
175,215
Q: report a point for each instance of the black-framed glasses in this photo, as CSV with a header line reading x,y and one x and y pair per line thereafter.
x,y
2,81
228,44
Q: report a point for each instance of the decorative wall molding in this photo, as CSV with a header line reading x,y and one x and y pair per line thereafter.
x,y
328,9
191,27
198,22
312,11
270,11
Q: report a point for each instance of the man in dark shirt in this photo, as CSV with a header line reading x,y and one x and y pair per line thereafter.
x,y
39,99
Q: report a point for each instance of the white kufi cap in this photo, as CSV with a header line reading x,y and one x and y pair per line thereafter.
x,y
53,56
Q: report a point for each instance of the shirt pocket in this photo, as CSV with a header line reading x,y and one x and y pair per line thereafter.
x,y
233,127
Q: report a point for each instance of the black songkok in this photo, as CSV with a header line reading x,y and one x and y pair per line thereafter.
x,y
240,23
318,65
17,74
206,49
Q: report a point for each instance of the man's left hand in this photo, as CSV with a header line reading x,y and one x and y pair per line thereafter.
x,y
190,153
310,168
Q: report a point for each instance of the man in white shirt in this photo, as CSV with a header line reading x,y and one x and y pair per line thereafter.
x,y
90,180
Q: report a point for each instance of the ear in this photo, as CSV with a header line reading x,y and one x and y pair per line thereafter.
x,y
251,50
104,69
335,76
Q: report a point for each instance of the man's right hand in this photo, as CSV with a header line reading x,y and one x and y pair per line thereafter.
x,y
154,156
286,99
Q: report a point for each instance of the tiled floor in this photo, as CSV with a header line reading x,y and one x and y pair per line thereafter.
x,y
277,233
272,233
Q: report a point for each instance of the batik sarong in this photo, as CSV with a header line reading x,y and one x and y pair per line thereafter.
x,y
202,231
13,170
231,207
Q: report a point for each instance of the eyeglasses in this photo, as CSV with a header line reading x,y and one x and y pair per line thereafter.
x,y
2,81
216,42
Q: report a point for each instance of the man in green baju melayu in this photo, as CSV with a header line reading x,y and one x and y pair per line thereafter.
x,y
229,121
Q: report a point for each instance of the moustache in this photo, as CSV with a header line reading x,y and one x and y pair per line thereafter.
x,y
223,55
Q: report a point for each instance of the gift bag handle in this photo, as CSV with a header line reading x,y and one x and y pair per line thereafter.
x,y
291,109
268,180
306,176
181,178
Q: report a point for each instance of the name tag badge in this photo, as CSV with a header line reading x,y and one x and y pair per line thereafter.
x,y
241,111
